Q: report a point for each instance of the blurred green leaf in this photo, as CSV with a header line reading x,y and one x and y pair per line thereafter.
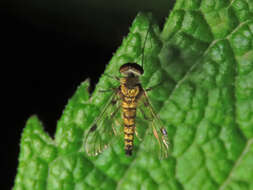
x,y
203,59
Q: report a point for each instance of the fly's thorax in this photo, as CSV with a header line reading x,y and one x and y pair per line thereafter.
x,y
130,81
130,87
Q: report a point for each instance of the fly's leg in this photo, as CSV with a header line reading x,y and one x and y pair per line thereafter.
x,y
152,87
162,129
108,90
114,113
137,135
119,124
165,137
113,77
144,114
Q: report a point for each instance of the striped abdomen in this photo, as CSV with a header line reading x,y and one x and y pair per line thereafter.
x,y
129,114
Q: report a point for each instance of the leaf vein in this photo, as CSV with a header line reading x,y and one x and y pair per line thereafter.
x,y
237,163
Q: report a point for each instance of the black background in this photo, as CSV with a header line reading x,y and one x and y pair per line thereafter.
x,y
48,48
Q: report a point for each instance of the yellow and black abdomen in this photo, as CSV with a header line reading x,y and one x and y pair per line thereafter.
x,y
129,97
129,114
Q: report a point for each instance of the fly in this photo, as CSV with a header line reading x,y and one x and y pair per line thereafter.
x,y
132,99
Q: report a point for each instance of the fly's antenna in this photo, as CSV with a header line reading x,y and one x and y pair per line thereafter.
x,y
143,48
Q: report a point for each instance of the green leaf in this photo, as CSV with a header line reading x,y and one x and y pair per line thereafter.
x,y
203,61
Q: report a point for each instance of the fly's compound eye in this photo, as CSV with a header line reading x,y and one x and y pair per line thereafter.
x,y
131,68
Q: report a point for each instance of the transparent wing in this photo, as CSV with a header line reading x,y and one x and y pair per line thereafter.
x,y
106,126
155,139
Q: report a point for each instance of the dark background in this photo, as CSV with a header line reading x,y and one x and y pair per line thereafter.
x,y
48,48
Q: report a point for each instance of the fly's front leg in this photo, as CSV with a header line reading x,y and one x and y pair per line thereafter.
x,y
107,90
152,87
113,77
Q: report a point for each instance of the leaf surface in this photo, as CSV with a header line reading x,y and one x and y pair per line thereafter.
x,y
203,61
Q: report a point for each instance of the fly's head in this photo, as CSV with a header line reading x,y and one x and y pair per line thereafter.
x,y
131,73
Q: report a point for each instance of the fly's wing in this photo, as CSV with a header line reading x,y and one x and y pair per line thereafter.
x,y
156,139
103,130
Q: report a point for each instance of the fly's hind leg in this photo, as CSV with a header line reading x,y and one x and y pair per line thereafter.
x,y
163,131
137,135
165,137
113,115
144,114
